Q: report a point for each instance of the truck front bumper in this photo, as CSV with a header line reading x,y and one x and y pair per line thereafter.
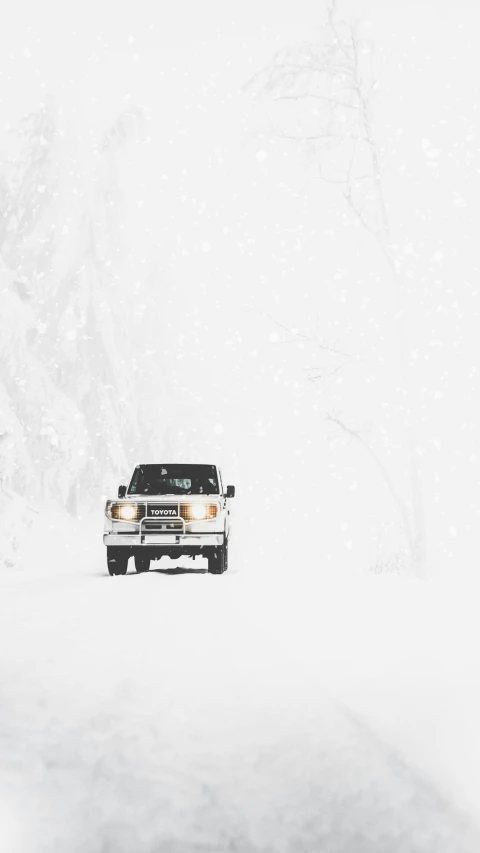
x,y
173,540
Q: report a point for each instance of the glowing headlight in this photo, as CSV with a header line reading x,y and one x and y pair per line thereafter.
x,y
199,511
127,512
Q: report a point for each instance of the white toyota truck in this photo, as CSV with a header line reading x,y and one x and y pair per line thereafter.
x,y
169,510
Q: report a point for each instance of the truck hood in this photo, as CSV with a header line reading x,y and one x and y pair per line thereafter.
x,y
167,498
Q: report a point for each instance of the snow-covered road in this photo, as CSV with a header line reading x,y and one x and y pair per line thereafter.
x,y
185,712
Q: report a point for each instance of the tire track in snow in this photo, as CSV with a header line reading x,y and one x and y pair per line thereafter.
x,y
314,781
120,734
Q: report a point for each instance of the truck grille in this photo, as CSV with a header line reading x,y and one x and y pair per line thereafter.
x,y
137,511
160,525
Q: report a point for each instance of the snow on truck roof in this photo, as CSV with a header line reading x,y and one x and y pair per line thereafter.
x,y
175,464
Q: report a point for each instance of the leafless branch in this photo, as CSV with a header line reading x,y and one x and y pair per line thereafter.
x,y
310,95
322,177
327,135
399,503
306,339
327,374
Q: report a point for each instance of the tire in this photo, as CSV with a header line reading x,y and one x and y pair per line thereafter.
x,y
218,559
117,560
142,564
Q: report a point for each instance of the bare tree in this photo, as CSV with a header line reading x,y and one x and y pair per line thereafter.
x,y
324,93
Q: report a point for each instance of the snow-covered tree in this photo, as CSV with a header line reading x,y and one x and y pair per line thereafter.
x,y
69,404
324,95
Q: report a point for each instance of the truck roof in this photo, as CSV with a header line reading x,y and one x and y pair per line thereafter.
x,y
173,464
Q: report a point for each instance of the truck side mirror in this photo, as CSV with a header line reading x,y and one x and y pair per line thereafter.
x,y
122,491
230,491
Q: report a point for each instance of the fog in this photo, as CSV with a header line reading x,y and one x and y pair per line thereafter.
x,y
246,235
219,234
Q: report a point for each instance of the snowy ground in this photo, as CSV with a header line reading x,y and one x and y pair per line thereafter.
x,y
269,709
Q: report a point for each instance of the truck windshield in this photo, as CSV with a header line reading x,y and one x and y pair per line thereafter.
x,y
174,480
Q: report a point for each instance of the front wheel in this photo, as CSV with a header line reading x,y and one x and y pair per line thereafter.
x,y
218,559
117,560
142,564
